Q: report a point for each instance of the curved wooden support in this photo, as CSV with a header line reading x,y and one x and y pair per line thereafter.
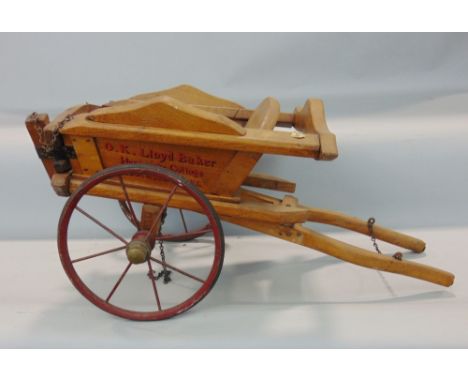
x,y
339,219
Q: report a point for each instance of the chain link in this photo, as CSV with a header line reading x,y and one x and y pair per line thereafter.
x,y
370,227
164,273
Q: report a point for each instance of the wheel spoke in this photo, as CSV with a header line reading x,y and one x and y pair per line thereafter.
x,y
153,282
129,204
183,236
99,254
183,220
92,218
119,281
152,232
177,270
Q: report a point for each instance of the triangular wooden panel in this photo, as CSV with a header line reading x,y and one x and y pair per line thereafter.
x,y
190,95
169,113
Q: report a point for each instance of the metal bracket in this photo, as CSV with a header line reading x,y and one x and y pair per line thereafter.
x,y
62,152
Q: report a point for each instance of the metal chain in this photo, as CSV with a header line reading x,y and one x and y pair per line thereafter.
x,y
50,146
370,227
164,273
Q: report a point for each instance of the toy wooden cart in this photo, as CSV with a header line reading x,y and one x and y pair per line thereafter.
x,y
174,163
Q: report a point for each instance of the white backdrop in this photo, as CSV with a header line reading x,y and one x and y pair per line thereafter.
x,y
397,103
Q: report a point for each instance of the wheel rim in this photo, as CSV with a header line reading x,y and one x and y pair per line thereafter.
x,y
107,275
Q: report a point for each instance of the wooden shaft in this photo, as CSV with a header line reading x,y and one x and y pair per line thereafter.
x,y
347,252
354,224
358,256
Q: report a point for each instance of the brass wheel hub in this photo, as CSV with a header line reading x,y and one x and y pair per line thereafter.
x,y
138,251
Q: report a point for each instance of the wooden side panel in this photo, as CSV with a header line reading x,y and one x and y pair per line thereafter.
x,y
87,154
190,95
202,167
255,140
169,113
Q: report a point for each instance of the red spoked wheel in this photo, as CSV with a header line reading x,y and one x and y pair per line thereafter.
x,y
181,233
137,271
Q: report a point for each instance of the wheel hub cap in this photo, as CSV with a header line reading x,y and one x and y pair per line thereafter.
x,y
138,251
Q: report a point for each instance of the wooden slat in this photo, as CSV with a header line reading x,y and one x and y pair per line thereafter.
x,y
269,182
169,113
269,142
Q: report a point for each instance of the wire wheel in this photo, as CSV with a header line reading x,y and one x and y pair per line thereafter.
x,y
138,271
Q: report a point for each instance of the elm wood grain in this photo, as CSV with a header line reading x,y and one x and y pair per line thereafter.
x,y
352,254
260,180
35,124
311,119
255,140
169,113
253,210
264,118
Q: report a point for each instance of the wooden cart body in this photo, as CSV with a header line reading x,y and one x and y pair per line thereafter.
x,y
215,144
